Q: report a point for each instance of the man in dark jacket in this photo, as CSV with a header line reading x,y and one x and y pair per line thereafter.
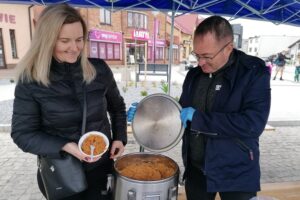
x,y
226,103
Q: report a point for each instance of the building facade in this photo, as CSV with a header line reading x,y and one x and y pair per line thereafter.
x,y
267,45
123,37
294,51
129,36
15,34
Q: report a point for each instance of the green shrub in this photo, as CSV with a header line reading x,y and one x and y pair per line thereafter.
x,y
164,87
144,93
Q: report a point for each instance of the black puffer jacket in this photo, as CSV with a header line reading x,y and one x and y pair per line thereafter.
x,y
46,118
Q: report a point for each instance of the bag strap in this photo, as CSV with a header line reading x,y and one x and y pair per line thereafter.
x,y
84,112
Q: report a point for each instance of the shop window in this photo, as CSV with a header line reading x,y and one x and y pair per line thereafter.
x,y
117,51
93,49
105,16
137,20
13,43
175,54
109,51
159,53
102,50
149,53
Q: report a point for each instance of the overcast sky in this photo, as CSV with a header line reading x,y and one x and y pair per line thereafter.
x,y
256,28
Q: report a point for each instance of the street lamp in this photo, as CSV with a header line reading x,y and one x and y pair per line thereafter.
x,y
155,30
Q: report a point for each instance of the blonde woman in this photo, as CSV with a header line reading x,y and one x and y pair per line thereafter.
x,y
47,113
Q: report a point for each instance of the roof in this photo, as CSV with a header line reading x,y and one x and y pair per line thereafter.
x,y
187,22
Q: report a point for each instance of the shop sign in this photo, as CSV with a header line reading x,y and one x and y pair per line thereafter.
x,y
186,42
106,36
7,18
140,35
158,42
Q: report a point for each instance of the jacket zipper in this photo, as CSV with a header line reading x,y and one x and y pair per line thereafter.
x,y
72,85
244,147
201,132
208,89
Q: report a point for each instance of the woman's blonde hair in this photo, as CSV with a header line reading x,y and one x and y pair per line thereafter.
x,y
35,65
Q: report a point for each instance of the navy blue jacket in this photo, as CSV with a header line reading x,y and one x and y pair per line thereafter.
x,y
232,128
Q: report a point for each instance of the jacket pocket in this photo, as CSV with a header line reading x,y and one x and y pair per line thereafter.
x,y
244,147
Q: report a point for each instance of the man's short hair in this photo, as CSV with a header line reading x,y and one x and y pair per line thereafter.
x,y
216,25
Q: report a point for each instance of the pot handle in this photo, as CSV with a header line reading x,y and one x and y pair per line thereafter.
x,y
172,193
110,183
131,195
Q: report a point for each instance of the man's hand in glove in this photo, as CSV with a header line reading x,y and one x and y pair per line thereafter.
x,y
187,115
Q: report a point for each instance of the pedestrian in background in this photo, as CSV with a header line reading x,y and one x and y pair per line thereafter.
x,y
269,65
225,107
280,64
47,111
297,68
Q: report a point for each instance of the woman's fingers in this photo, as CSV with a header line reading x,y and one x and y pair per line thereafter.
x,y
117,149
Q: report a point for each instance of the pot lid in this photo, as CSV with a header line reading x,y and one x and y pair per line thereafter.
x,y
156,125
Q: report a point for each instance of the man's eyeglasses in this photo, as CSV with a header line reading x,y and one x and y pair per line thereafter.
x,y
209,58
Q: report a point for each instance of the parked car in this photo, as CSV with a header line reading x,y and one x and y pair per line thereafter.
x,y
190,62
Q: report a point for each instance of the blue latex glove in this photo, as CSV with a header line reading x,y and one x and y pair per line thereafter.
x,y
131,111
186,114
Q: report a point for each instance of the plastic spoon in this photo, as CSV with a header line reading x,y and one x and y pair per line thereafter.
x,y
92,151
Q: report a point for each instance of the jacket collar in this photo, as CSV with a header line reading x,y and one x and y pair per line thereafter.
x,y
231,70
60,70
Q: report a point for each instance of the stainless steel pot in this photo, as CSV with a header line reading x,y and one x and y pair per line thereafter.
x,y
156,127
126,188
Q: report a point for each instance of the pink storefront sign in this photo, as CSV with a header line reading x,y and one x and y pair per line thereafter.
x,y
158,42
105,36
140,34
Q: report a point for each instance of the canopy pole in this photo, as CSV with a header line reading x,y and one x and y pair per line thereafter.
x,y
171,48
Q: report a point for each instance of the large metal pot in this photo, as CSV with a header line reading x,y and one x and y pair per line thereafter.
x,y
156,127
133,189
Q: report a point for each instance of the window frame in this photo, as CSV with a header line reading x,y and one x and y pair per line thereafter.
x,y
105,13
137,20
13,42
105,47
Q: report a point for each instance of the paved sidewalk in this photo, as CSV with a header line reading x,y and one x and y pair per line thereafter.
x,y
285,94
280,162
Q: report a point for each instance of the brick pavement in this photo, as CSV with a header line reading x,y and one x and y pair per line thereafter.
x,y
280,162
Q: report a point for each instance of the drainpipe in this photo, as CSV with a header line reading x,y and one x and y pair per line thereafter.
x,y
30,26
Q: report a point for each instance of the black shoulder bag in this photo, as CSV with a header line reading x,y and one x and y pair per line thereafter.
x,y
63,177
